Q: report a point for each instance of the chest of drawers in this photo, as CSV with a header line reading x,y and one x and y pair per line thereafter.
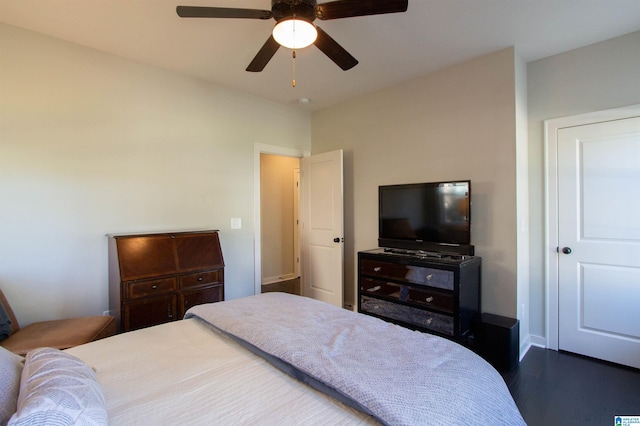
x,y
156,278
440,295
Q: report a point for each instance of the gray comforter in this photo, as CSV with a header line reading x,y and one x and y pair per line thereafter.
x,y
399,376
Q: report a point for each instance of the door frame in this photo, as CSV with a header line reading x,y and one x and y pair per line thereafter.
x,y
551,242
259,148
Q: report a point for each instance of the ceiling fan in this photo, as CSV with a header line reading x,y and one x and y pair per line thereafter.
x,y
294,18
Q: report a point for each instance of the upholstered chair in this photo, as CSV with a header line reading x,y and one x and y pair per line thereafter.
x,y
59,334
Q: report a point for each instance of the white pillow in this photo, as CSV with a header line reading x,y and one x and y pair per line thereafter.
x,y
10,371
58,388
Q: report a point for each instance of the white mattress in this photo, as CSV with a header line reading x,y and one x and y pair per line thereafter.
x,y
183,372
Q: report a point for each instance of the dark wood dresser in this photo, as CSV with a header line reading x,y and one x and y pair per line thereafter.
x,y
438,294
156,278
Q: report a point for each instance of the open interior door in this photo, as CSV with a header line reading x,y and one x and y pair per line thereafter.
x,y
322,230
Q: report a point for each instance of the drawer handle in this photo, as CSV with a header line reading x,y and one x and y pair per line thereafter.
x,y
429,277
429,299
377,269
199,278
428,321
154,286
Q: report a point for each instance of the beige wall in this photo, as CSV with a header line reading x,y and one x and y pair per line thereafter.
x,y
459,123
277,216
92,144
594,78
475,115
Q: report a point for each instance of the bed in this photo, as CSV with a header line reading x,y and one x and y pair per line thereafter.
x,y
279,359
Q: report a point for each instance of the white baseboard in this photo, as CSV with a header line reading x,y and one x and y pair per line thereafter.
x,y
529,341
278,279
525,345
538,341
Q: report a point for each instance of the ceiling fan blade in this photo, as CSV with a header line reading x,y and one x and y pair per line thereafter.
x,y
334,51
221,12
350,8
264,55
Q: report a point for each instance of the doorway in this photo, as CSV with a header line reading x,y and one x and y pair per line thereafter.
x,y
593,235
277,151
279,198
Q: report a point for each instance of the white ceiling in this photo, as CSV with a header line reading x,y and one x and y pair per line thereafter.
x,y
391,48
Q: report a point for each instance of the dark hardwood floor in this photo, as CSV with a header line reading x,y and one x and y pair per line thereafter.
x,y
559,388
290,286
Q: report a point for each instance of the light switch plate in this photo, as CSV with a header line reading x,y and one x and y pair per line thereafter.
x,y
236,223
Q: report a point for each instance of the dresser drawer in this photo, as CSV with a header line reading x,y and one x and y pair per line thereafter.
x,y
431,299
414,274
138,289
433,321
200,278
422,296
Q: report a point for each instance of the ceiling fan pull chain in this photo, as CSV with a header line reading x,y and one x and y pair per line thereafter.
x,y
293,65
293,52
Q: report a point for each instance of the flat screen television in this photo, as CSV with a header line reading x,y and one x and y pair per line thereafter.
x,y
431,217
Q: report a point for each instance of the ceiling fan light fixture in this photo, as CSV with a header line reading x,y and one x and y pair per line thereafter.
x,y
295,33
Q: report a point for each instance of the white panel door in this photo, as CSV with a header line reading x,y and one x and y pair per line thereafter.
x,y
322,227
599,240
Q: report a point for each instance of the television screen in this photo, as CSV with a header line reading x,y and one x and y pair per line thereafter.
x,y
413,216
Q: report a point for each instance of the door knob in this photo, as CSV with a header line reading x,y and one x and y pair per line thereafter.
x,y
336,240
566,250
